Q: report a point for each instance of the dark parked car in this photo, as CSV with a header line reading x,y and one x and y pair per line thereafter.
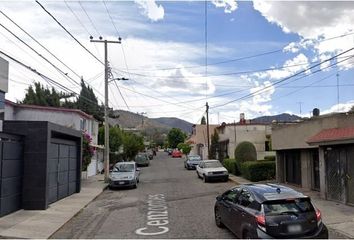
x,y
192,161
268,211
142,159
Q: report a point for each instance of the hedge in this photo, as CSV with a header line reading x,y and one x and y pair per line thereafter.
x,y
245,151
231,166
269,158
258,170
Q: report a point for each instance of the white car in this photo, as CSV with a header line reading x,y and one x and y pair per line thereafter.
x,y
212,170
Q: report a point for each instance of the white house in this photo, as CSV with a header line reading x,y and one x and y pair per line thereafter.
x,y
230,135
72,118
199,139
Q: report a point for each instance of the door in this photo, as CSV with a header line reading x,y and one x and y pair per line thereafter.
x,y
334,160
11,173
62,170
293,167
315,170
350,175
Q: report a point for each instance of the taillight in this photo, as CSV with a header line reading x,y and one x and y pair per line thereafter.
x,y
260,219
318,217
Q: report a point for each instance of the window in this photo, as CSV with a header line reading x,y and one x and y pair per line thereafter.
x,y
245,198
82,124
231,195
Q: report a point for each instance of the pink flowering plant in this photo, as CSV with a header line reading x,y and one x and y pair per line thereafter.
x,y
87,150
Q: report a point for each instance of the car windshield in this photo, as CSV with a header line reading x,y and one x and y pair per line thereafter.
x,y
194,158
214,164
290,206
124,168
140,158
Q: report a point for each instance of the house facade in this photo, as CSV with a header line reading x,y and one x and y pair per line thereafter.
x,y
199,139
318,154
71,118
230,135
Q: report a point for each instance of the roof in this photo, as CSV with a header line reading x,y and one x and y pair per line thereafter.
x,y
268,192
332,134
243,124
46,108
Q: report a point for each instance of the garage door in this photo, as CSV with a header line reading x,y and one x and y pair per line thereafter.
x,y
63,169
11,173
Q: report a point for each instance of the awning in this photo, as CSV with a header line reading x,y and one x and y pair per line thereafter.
x,y
333,135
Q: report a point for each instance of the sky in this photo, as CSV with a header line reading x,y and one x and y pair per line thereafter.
x,y
254,57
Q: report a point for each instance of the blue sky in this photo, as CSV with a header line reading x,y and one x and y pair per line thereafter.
x,y
164,49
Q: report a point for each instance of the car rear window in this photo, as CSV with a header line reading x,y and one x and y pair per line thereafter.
x,y
300,205
194,158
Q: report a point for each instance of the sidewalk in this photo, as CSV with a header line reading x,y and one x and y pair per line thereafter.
x,y
338,217
43,223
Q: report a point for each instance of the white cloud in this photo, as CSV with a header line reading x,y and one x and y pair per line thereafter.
x,y
151,9
291,66
314,21
341,107
228,5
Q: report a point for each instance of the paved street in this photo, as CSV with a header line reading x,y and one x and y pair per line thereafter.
x,y
122,213
119,213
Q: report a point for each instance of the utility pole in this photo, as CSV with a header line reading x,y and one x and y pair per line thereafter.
x,y
337,91
300,104
207,113
106,125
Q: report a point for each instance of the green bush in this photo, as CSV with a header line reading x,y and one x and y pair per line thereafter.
x,y
245,151
231,166
269,158
258,170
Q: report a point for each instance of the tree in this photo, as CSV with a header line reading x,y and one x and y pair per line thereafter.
x,y
352,109
245,151
132,144
87,102
214,145
175,136
43,96
115,138
203,121
185,148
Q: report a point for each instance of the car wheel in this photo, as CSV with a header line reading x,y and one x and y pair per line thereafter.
x,y
198,174
204,178
135,185
218,221
246,235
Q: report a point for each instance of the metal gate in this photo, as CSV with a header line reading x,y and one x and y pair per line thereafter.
x,y
339,171
11,173
62,169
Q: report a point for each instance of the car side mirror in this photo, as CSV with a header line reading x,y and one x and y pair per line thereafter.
x,y
219,198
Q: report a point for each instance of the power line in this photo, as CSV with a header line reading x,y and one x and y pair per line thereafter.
x,y
240,58
82,7
40,55
46,78
285,79
67,31
40,44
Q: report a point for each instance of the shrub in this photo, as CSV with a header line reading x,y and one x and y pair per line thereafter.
x,y
269,158
231,166
258,170
245,151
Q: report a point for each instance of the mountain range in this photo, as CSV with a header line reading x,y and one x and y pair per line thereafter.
x,y
137,121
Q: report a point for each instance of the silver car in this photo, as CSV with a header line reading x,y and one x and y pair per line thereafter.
x,y
124,174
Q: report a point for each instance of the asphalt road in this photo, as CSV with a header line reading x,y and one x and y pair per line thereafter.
x,y
181,206
178,203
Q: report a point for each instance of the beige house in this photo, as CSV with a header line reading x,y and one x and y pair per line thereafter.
x,y
318,154
199,139
230,135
